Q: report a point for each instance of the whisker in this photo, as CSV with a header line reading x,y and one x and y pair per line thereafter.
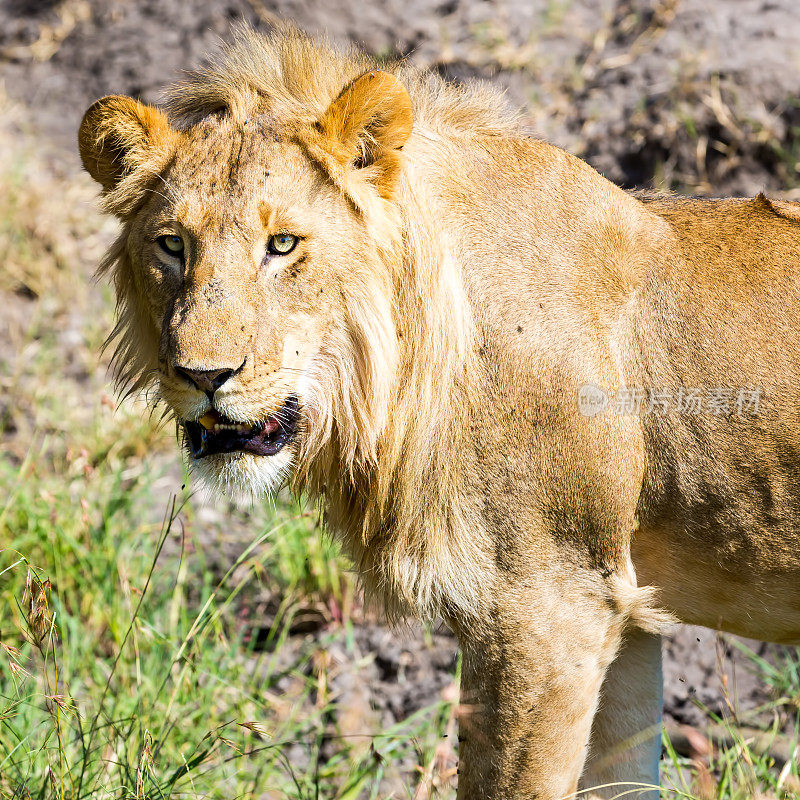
x,y
174,195
160,194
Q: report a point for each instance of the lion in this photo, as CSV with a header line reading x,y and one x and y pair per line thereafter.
x,y
484,361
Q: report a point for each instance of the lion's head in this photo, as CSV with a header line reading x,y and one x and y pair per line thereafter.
x,y
255,268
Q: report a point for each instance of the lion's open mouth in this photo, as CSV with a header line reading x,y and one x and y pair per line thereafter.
x,y
215,433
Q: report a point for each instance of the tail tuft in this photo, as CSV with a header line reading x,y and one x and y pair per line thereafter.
x,y
638,605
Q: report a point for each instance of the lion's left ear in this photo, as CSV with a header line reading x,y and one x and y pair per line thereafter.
x,y
365,128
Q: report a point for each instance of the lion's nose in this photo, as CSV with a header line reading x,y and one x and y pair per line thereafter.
x,y
206,380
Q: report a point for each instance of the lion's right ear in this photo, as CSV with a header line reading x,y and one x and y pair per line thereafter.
x,y
118,135
363,131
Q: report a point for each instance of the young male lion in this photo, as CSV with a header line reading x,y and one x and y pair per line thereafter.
x,y
517,391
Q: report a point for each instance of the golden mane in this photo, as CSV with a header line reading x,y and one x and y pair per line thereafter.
x,y
295,78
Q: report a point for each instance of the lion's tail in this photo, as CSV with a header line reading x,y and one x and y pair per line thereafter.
x,y
638,605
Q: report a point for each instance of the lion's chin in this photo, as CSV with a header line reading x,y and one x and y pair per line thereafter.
x,y
242,476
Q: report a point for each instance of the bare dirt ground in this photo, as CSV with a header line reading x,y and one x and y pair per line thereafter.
x,y
693,95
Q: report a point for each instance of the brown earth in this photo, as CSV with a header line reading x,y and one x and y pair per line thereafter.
x,y
693,95
687,94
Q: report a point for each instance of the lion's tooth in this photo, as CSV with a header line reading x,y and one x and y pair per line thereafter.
x,y
207,421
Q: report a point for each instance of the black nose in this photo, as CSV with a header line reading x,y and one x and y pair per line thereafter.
x,y
206,380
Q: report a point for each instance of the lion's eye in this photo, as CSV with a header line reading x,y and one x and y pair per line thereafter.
x,y
281,244
172,245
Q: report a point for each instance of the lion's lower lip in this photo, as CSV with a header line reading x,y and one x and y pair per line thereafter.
x,y
215,433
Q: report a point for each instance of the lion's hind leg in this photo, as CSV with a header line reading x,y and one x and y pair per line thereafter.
x,y
625,744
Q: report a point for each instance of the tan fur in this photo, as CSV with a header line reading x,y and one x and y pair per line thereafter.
x,y
454,286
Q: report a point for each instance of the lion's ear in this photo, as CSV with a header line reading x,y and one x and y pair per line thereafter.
x,y
118,135
366,126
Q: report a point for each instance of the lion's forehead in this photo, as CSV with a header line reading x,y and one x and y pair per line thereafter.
x,y
225,169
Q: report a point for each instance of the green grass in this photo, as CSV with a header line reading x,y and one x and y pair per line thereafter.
x,y
733,769
125,671
743,757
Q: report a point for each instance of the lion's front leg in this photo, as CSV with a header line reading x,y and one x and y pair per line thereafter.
x,y
625,745
530,683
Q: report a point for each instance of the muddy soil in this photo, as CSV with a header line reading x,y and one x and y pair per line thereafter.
x,y
693,95
683,93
